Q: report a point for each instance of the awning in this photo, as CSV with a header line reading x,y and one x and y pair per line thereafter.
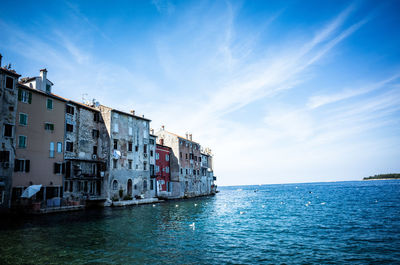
x,y
30,191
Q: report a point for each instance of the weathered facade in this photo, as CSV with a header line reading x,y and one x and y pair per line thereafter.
x,y
8,107
87,151
152,151
40,139
129,170
162,171
185,160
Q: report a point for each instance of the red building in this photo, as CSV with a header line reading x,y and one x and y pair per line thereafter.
x,y
162,170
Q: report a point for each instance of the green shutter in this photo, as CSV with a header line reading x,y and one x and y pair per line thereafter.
x,y
19,94
27,165
30,98
52,127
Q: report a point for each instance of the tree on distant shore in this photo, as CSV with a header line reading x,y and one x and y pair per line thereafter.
x,y
384,176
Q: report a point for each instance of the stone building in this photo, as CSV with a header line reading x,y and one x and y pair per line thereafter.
x,y
40,139
185,160
129,170
87,150
8,107
152,151
207,172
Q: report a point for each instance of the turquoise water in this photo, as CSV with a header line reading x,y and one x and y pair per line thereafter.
x,y
337,223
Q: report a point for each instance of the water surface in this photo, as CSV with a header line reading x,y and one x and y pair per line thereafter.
x,y
341,222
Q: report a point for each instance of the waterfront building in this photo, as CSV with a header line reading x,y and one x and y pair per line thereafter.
x,y
39,139
185,164
129,170
8,107
207,171
87,152
152,151
162,170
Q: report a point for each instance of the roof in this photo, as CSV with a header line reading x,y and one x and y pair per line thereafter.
x,y
9,72
28,79
130,114
153,135
83,105
184,138
42,92
163,146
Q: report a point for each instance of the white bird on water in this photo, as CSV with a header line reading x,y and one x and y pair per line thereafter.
x,y
177,205
154,205
195,205
193,225
242,212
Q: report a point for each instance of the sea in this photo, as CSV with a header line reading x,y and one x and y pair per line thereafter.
x,y
356,222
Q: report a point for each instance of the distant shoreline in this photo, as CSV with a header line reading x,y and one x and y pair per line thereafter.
x,y
383,177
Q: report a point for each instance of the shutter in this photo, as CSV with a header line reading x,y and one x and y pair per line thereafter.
x,y
27,165
63,168
19,94
16,165
55,168
68,169
30,98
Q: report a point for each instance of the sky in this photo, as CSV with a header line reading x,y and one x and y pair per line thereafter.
x,y
281,91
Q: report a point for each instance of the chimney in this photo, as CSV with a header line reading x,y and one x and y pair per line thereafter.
x,y
190,137
1,56
43,77
152,131
162,141
187,135
162,127
132,112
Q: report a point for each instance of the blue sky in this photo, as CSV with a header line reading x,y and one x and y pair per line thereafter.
x,y
282,91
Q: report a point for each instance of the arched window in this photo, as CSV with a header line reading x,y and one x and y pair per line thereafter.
x,y
115,184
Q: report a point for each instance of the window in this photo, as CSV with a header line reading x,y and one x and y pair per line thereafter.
x,y
169,186
130,131
157,169
199,159
25,96
115,115
9,82
4,156
96,116
130,164
130,144
180,154
157,156
59,168
167,157
116,127
49,103
51,149
144,184
95,150
151,141
145,148
151,152
22,165
59,147
115,161
115,144
137,166
48,88
49,126
115,184
151,185
186,156
21,141
23,119
70,110
8,128
69,147
198,172
194,172
69,127
181,171
144,165
186,171
166,169
95,134
136,148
